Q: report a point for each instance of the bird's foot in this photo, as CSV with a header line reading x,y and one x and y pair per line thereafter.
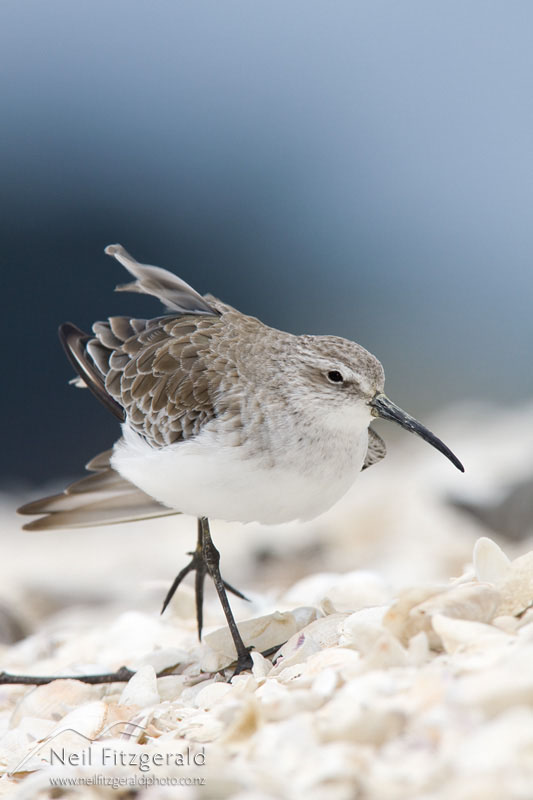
x,y
244,663
200,565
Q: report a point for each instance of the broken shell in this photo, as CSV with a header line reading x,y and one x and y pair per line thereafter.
x,y
490,562
472,601
380,648
245,720
141,689
262,633
85,722
320,633
506,623
457,633
190,693
350,591
385,653
508,683
361,712
326,682
362,629
211,694
516,586
345,662
54,700
418,649
397,619
164,659
261,665
170,687
279,701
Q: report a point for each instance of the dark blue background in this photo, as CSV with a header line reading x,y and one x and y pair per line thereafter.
x,y
364,169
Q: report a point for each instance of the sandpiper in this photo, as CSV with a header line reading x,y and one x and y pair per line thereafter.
x,y
222,417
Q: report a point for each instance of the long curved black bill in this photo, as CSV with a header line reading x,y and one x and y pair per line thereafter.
x,y
385,409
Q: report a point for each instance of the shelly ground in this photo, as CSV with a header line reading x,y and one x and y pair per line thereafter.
x,y
411,677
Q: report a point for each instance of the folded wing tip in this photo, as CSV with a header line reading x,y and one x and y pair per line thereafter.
x,y
36,524
33,508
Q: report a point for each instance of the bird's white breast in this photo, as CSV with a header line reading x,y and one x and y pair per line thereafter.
x,y
207,477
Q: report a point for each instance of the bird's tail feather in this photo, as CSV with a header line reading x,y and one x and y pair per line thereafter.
x,y
103,498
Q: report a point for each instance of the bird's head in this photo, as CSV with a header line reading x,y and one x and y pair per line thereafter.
x,y
348,384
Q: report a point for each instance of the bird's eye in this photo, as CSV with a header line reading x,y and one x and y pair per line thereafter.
x,y
334,376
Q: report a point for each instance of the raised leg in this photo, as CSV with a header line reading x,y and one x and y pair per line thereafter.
x,y
205,559
196,564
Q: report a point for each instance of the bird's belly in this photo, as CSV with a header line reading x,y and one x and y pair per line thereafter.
x,y
202,479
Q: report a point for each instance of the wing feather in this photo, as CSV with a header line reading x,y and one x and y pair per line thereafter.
x,y
75,343
102,498
377,449
172,291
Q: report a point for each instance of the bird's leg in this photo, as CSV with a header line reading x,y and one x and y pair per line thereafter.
x,y
211,560
198,564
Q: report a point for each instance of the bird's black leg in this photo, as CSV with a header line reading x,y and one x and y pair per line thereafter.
x,y
196,564
199,565
211,560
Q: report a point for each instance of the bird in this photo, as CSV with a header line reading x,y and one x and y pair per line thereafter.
x,y
222,417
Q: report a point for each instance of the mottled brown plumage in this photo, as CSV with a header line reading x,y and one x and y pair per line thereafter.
x,y
173,375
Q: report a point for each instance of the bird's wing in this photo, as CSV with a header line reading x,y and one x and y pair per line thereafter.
x,y
103,498
150,372
376,449
156,372
75,342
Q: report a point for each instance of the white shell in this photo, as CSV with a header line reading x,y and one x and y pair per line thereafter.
x,y
350,716
398,618
54,700
472,601
141,689
490,562
163,659
456,633
516,586
263,632
509,683
211,694
347,592
320,633
88,720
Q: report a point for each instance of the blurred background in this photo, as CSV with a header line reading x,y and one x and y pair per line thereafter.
x,y
362,169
